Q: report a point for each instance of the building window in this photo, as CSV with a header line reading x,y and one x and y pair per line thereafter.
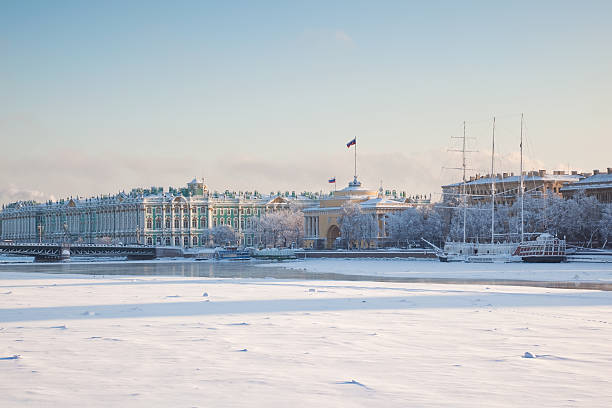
x,y
177,223
186,223
194,222
168,223
158,241
149,241
158,223
176,241
195,241
149,223
168,241
148,210
222,221
186,241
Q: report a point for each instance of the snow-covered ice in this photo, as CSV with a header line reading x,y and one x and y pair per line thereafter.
x,y
152,341
418,268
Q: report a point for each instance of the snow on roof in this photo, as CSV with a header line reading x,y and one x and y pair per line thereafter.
x,y
517,179
597,178
594,182
374,202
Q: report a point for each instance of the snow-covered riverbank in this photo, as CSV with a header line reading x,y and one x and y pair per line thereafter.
x,y
76,341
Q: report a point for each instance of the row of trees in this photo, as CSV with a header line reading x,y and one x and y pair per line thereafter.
x,y
581,220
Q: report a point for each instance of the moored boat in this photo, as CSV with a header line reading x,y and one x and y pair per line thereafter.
x,y
545,249
232,254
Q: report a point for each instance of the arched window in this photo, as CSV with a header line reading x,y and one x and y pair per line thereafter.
x,y
177,223
202,222
149,241
177,242
235,222
185,222
222,221
168,241
195,241
158,223
186,241
149,223
168,222
158,241
194,222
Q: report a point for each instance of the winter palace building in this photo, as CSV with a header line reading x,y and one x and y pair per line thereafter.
x,y
178,217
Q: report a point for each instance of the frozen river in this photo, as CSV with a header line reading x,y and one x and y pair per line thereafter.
x,y
570,275
190,340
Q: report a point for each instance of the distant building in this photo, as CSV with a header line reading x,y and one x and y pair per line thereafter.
x,y
178,217
507,186
321,222
598,184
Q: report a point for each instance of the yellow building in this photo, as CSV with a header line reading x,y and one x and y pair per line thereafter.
x,y
322,222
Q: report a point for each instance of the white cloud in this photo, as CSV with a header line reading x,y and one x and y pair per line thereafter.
x,y
343,38
13,193
326,36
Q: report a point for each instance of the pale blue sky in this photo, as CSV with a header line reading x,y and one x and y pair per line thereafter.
x,y
101,96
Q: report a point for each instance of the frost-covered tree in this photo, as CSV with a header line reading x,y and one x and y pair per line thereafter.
x,y
368,229
432,224
605,224
477,225
280,228
223,235
405,226
349,220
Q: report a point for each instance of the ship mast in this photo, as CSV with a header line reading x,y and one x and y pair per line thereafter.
x,y
464,186
493,186
521,188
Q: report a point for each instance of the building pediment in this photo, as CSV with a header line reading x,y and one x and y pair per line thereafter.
x,y
278,200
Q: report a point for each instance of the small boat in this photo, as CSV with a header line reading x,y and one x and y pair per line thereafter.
x,y
545,249
474,252
232,254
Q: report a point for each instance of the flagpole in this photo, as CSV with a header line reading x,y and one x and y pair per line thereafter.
x,y
355,158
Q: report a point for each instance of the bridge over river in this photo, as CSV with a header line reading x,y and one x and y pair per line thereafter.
x,y
57,252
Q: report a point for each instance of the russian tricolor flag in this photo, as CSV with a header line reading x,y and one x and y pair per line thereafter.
x,y
332,180
352,142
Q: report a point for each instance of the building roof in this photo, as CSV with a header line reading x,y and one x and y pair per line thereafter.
x,y
596,181
516,179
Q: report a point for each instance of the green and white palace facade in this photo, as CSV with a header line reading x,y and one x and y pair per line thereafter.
x,y
177,217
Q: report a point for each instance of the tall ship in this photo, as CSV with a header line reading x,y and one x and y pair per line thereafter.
x,y
493,251
545,248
